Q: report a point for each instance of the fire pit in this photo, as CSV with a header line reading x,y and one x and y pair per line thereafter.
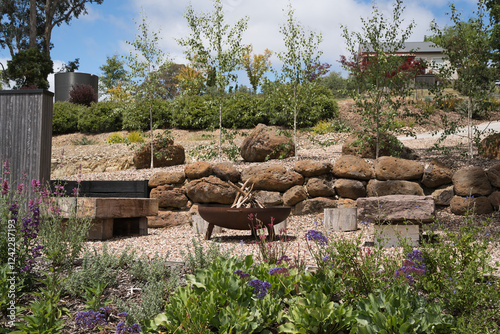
x,y
239,219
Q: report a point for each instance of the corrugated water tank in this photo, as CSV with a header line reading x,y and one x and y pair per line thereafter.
x,y
64,82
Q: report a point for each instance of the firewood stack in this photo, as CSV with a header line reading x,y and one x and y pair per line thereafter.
x,y
245,198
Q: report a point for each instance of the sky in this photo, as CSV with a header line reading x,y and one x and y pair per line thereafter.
x,y
105,30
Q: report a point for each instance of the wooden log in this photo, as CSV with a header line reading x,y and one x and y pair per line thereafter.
x,y
341,219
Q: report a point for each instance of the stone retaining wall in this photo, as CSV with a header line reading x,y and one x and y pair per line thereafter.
x,y
311,186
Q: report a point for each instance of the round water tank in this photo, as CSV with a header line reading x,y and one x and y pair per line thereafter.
x,y
64,82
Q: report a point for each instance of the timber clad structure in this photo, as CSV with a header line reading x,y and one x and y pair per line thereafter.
x,y
26,132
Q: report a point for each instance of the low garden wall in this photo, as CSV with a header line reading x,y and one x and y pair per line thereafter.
x,y
311,186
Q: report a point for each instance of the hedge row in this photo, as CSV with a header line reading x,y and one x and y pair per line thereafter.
x,y
239,110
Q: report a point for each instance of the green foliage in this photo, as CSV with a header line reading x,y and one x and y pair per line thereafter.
x,y
97,268
193,112
45,313
337,84
458,272
198,258
29,69
317,314
243,110
209,151
135,137
65,117
63,239
331,126
92,295
136,114
101,117
116,138
113,74
400,310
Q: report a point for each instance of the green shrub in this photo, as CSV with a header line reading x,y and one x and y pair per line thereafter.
x,y
65,117
194,112
136,115
135,137
244,111
102,117
116,138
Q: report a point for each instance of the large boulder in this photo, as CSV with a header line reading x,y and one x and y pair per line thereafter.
x,y
197,170
489,147
393,187
294,195
272,178
352,167
470,205
396,208
269,198
320,187
310,168
226,172
436,174
161,178
470,181
210,189
443,195
165,154
389,146
347,188
390,168
495,200
494,175
170,196
314,205
263,144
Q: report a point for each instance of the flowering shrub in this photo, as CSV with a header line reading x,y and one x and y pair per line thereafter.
x,y
413,265
261,288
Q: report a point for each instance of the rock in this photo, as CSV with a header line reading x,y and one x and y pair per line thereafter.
x,y
346,203
470,205
170,196
436,174
470,181
168,219
396,208
197,170
226,172
263,144
390,146
352,167
294,195
495,200
443,195
166,153
310,168
272,178
489,147
313,205
269,198
347,188
390,168
161,178
393,187
494,175
320,187
210,189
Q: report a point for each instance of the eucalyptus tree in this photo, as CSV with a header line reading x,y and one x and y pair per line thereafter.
x,y
145,61
215,49
300,58
382,76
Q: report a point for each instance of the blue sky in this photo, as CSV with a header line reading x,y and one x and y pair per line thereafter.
x,y
105,30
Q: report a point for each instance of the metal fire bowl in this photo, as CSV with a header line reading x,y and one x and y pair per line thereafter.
x,y
237,218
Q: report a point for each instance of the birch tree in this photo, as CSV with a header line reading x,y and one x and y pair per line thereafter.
x,y
214,48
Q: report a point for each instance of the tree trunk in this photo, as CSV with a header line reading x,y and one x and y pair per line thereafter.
x,y
469,127
295,122
32,42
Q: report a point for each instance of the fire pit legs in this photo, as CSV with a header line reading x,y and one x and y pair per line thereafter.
x,y
210,228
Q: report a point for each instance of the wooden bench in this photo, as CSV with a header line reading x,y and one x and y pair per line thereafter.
x,y
111,216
